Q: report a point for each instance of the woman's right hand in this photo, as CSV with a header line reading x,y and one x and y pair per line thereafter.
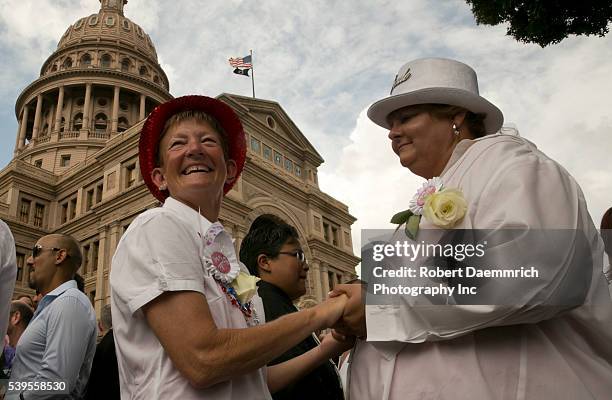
x,y
353,321
331,310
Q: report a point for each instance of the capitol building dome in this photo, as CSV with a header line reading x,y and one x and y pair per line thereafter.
x,y
109,26
102,79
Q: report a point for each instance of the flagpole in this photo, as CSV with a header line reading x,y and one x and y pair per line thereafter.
x,y
252,73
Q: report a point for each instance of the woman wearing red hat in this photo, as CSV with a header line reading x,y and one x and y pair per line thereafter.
x,y
544,335
188,323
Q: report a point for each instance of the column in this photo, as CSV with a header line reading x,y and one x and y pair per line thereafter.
x,y
86,106
51,118
142,107
58,110
115,235
325,279
25,281
84,263
69,122
315,273
239,237
115,114
100,295
23,126
17,136
79,203
91,116
13,199
39,102
90,259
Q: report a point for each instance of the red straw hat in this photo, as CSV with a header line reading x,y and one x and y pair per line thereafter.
x,y
153,126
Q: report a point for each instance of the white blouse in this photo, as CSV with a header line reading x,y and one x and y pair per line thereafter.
x,y
525,350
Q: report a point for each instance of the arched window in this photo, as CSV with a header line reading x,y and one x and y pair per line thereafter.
x,y
54,68
62,123
105,61
156,79
68,62
125,65
77,123
143,71
122,124
85,60
101,122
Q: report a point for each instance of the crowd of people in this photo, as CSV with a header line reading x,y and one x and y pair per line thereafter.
x,y
191,318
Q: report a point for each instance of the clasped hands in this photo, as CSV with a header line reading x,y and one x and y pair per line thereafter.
x,y
344,312
352,322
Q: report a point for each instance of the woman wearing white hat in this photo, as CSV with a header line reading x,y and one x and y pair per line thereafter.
x,y
551,338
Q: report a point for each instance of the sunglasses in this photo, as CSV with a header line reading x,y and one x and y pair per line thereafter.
x,y
299,254
37,249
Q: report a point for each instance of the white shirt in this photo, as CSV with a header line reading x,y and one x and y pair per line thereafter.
x,y
535,352
160,252
8,274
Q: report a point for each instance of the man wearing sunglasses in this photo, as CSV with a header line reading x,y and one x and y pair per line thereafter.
x,y
56,350
271,250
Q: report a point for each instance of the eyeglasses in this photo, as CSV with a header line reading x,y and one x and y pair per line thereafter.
x,y
299,254
37,249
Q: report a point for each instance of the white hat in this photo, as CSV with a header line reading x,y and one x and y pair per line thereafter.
x,y
436,81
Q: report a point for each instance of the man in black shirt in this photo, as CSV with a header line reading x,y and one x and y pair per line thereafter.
x,y
272,251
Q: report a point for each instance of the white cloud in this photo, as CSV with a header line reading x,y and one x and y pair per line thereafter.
x,y
369,178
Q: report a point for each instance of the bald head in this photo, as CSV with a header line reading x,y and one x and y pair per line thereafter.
x,y
72,248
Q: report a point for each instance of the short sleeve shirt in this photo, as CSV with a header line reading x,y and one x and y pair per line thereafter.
x,y
161,251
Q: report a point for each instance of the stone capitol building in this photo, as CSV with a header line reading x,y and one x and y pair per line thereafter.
x,y
75,164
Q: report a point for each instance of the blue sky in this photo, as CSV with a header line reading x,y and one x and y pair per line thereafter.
x,y
325,62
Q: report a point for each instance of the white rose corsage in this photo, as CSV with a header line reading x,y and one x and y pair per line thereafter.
x,y
441,206
222,264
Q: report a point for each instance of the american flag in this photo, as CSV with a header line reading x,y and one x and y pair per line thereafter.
x,y
241,62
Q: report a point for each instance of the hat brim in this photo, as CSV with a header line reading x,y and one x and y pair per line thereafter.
x,y
151,134
494,119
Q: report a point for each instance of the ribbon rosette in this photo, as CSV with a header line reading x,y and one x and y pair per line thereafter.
x,y
222,263
219,254
441,206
